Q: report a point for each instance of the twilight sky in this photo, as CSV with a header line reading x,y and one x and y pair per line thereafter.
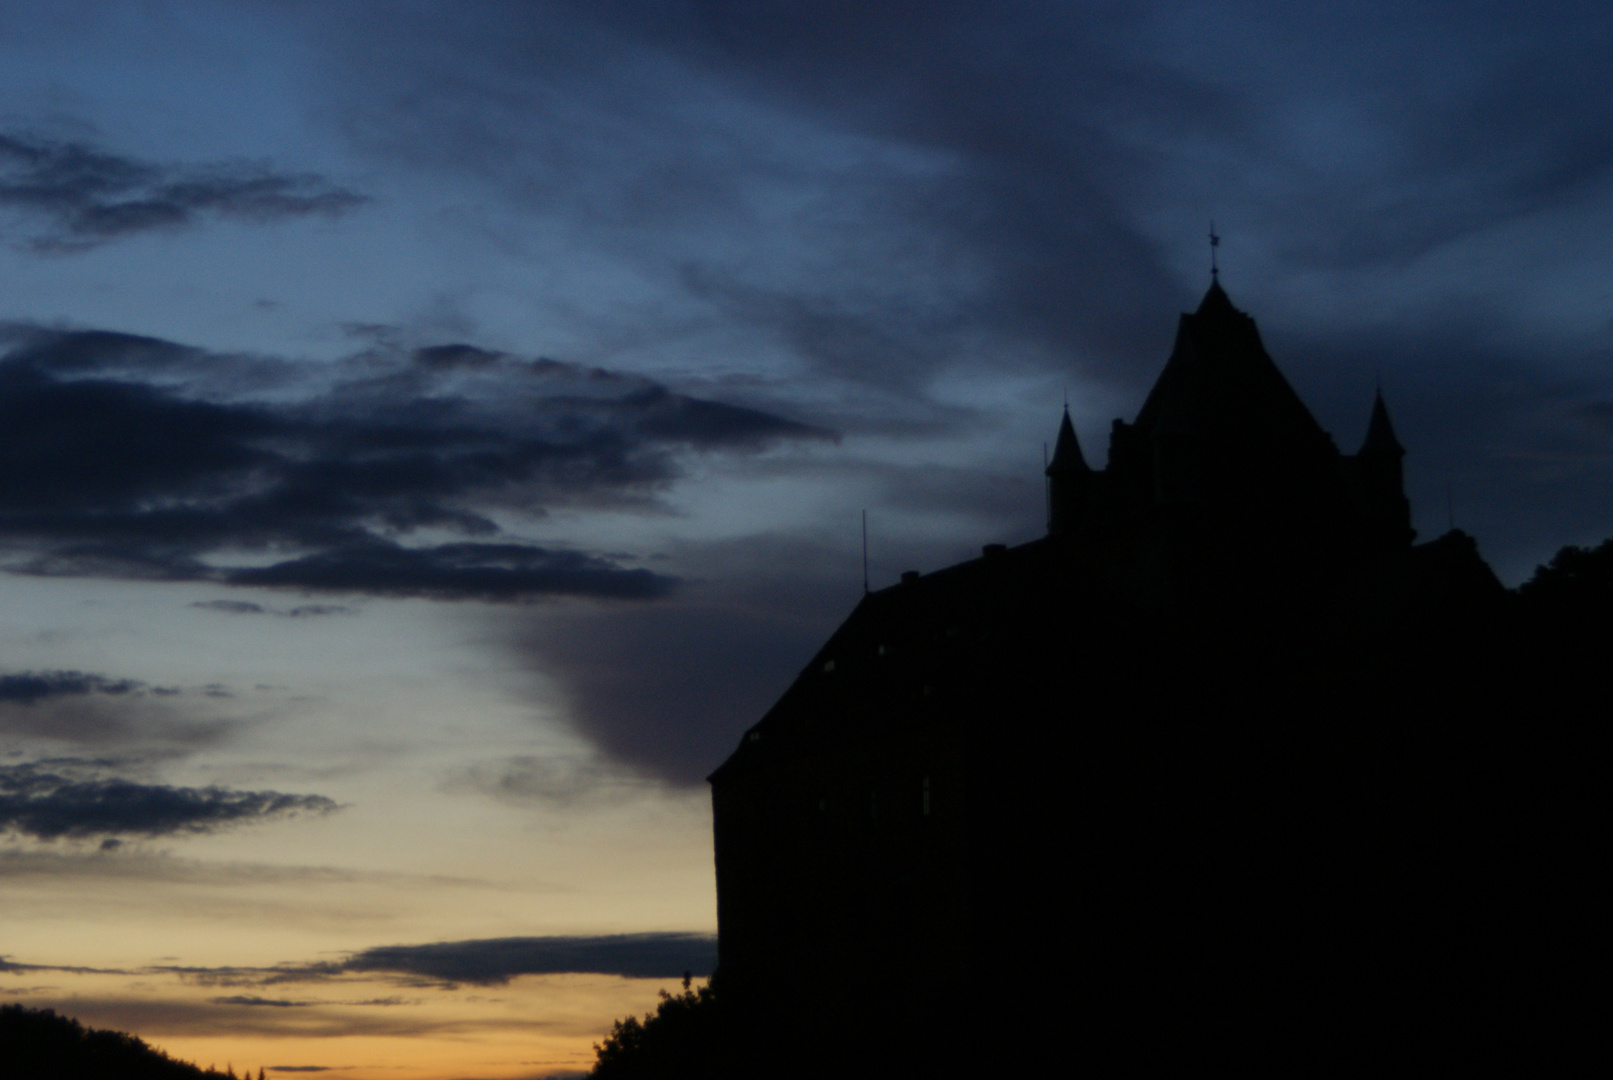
x,y
429,432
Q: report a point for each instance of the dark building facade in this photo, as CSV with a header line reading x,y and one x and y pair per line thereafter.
x,y
1210,774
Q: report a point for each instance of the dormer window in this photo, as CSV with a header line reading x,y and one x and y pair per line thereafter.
x,y
754,736
828,665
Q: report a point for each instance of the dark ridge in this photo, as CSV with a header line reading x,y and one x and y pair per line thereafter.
x,y
37,1044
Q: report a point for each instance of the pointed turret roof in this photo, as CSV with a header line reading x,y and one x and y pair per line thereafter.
x,y
1380,440
1067,456
1216,301
1219,381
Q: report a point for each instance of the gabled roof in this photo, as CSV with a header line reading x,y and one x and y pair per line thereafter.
x,y
1220,382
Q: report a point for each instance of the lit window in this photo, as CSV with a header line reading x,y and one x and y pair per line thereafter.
x,y
828,665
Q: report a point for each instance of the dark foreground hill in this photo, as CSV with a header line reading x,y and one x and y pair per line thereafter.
x,y
36,1044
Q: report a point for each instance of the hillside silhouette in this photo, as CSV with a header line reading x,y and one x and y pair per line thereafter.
x,y
37,1044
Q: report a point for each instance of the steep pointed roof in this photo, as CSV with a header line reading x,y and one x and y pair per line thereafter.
x,y
1067,456
1216,301
1220,382
1380,440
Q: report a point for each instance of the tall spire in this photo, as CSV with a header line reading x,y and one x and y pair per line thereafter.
x,y
1067,456
1380,481
1069,481
1380,440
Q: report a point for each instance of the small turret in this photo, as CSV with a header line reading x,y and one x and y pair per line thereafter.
x,y
1069,481
1380,441
1380,480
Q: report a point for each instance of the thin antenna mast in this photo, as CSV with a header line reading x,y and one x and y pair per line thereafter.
x,y
1215,242
865,551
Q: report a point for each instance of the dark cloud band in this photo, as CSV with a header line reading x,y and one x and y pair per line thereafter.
x,y
492,961
49,805
29,687
132,457
453,571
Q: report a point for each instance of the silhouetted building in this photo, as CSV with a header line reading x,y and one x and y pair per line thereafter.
x,y
1207,775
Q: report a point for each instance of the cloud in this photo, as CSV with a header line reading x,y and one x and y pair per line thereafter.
x,y
1360,139
96,709
1028,187
556,781
27,688
79,196
276,1003
494,961
70,801
664,691
980,202
132,457
480,962
246,607
668,690
455,571
157,1016
141,867
231,607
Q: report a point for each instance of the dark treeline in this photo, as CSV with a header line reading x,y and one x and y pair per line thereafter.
x,y
1576,582
37,1044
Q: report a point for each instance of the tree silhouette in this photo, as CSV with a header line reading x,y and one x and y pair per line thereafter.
x,y
37,1044
682,1038
1575,581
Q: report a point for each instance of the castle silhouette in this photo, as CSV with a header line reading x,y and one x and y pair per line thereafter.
x,y
1225,770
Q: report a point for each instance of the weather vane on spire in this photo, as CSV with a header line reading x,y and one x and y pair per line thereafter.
x,y
1215,242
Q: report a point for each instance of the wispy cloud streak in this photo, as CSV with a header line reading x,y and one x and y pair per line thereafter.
x,y
79,196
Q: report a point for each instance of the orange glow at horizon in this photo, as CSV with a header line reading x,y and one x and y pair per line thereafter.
x,y
360,1028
